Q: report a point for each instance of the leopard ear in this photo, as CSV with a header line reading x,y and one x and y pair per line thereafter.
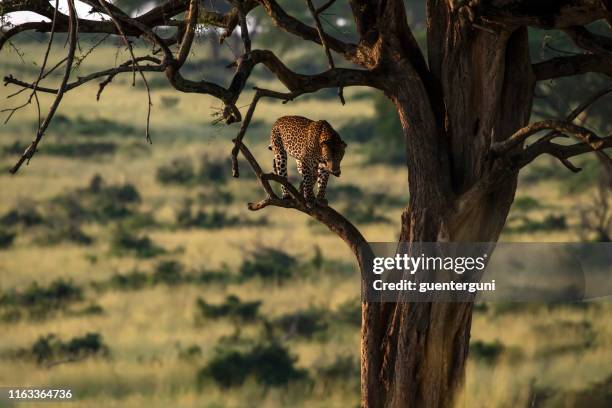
x,y
344,144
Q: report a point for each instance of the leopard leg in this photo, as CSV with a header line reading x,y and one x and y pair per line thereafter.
x,y
280,165
308,173
322,178
301,171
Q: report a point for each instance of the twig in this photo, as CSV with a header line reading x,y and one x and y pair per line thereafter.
x,y
72,40
106,7
315,15
40,73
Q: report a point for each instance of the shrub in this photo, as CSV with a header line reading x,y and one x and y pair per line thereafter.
x,y
342,368
123,242
92,309
57,295
168,272
63,232
37,301
268,263
304,323
214,170
98,201
363,214
190,353
90,127
6,238
349,312
487,352
212,276
526,203
178,171
50,349
80,150
269,365
232,307
212,219
129,281
551,222
25,214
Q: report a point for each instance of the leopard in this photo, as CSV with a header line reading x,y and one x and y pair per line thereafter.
x,y
317,149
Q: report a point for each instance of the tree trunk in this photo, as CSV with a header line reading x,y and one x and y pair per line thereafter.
x,y
414,354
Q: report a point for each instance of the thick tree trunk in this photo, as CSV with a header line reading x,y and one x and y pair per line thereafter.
x,y
414,354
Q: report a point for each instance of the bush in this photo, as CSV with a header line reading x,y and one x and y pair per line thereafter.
x,y
268,263
232,307
487,352
212,219
38,302
526,203
349,312
129,281
50,349
25,214
551,222
168,272
69,232
211,171
269,365
90,127
342,368
123,242
212,276
217,171
98,202
93,309
304,323
6,238
363,214
178,171
190,353
57,295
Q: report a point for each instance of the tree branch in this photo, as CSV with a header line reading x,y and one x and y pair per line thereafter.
x,y
560,14
293,26
330,59
572,65
585,135
72,42
594,43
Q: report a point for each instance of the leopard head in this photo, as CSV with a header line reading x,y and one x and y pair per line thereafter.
x,y
332,149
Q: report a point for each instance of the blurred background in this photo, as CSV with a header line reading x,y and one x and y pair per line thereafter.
x,y
134,274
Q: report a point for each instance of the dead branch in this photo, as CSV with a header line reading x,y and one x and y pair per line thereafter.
x,y
330,59
585,135
72,41
572,65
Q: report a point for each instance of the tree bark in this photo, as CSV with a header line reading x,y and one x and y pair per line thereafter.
x,y
414,354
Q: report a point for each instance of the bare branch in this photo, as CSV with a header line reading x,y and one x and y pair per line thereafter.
x,y
561,152
572,65
560,14
583,38
585,135
72,41
330,59
125,67
292,25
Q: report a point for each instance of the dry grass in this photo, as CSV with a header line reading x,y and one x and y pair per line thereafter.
x,y
144,328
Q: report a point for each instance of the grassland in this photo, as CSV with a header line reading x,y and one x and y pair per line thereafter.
x,y
157,339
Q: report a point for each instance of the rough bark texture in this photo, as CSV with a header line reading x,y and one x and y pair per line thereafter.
x,y
486,83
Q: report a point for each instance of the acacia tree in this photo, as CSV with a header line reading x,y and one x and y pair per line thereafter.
x,y
464,105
